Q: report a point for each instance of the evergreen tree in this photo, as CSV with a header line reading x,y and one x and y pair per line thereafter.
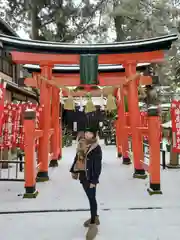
x,y
57,20
151,18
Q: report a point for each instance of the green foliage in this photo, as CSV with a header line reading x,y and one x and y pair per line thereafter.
x,y
114,114
165,116
145,19
56,20
67,140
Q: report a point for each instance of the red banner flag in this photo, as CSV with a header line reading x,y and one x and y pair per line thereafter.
x,y
2,95
175,118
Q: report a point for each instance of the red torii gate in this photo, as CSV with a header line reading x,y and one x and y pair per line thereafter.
x,y
109,75
46,55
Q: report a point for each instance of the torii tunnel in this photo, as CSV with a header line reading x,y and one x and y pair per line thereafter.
x,y
130,55
72,72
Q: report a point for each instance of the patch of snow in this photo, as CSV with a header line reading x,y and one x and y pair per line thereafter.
x,y
167,124
117,191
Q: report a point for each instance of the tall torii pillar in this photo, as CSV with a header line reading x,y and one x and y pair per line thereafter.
x,y
134,115
122,136
45,122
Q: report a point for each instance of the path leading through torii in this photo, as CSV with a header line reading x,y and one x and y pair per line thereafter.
x,y
121,200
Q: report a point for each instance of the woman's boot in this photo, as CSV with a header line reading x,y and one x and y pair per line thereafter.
x,y
87,222
92,232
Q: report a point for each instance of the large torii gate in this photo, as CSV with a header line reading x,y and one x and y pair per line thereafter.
x,y
64,75
107,74
129,54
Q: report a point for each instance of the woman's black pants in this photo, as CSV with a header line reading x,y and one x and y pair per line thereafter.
x,y
91,194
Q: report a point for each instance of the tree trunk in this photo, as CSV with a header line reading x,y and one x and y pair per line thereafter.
x,y
118,23
60,24
34,21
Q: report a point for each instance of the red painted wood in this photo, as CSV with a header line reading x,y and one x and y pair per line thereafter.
x,y
36,58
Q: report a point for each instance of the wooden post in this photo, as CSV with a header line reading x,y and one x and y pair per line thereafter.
x,y
134,115
154,149
55,126
29,149
45,123
118,139
122,131
174,160
117,127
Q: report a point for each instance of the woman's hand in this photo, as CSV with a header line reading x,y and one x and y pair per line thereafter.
x,y
92,185
74,175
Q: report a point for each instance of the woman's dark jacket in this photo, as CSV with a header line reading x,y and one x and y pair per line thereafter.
x,y
93,163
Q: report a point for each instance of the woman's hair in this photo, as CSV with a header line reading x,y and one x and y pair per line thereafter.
x,y
80,135
94,134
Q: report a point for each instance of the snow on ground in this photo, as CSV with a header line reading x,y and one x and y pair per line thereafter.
x,y
118,195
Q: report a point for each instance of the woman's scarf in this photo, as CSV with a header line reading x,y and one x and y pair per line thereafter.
x,y
81,155
83,147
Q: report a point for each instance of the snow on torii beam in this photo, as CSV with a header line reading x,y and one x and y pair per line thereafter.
x,y
39,52
102,68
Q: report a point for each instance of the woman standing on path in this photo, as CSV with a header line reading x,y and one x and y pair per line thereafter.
x,y
87,168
